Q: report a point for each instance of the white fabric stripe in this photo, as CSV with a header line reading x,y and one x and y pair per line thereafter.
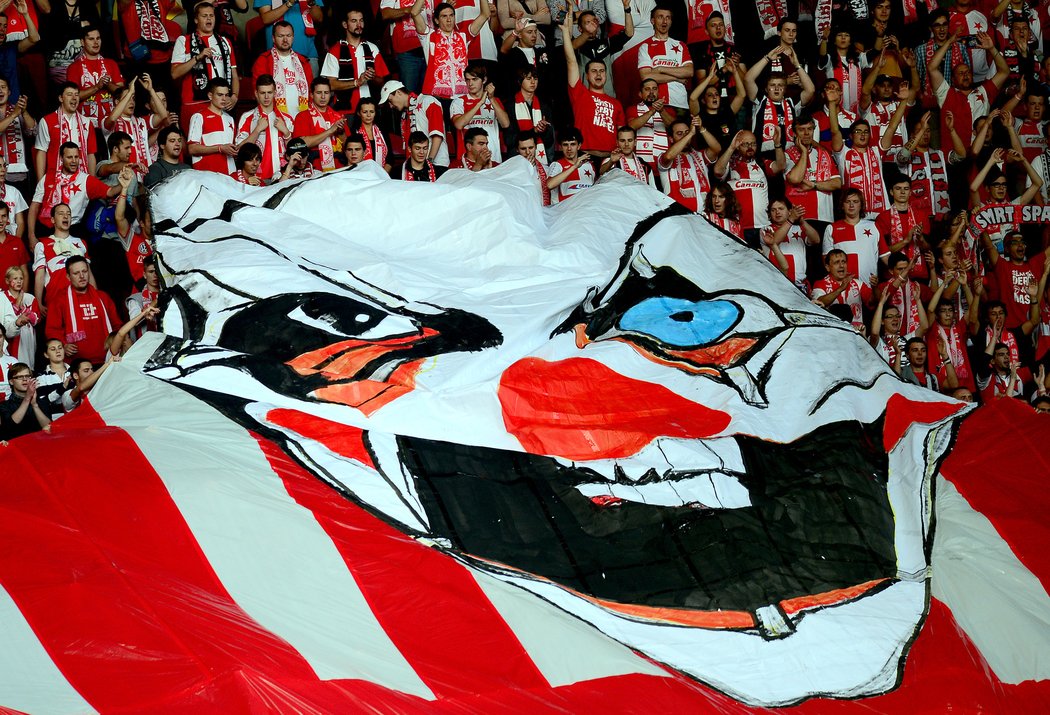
x,y
269,552
565,649
29,680
995,599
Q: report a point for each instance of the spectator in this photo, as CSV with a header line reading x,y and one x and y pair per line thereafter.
x,y
445,49
11,48
353,63
122,119
418,165
683,170
952,57
966,21
592,42
290,70
480,108
266,127
597,114
718,116
169,162
996,184
789,229
482,48
832,94
20,413
136,248
715,51
83,377
723,210
666,60
22,345
376,147
879,105
649,119
624,157
861,164
774,110
902,228
81,315
98,78
917,370
50,256
953,331
212,134
885,334
119,145
963,99
521,50
840,286
321,127
147,297
54,380
997,374
1031,131
149,35
573,172
530,114
63,126
298,164
63,26
1018,53
70,186
477,155
854,235
405,41
928,168
527,148
15,124
248,159
15,218
199,58
512,11
748,179
1013,274
907,296
844,64
303,15
419,113
811,175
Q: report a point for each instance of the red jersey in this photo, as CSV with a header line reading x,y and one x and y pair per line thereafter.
x,y
860,243
12,252
577,181
56,129
598,116
1013,280
313,122
210,129
894,227
751,187
856,296
86,72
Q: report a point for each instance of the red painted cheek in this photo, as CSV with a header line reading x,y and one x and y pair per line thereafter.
x,y
581,409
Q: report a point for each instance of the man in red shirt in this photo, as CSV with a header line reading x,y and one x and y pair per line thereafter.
x,y
321,127
290,70
66,124
212,133
266,126
70,186
904,228
963,99
1013,273
82,317
98,77
597,114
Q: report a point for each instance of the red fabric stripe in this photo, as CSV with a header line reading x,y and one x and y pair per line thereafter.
x,y
113,583
437,611
1000,465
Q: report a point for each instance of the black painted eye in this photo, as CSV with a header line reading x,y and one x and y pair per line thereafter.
x,y
284,326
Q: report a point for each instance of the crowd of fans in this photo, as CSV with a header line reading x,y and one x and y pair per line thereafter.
x,y
854,146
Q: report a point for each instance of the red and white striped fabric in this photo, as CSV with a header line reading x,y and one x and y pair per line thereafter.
x,y
211,129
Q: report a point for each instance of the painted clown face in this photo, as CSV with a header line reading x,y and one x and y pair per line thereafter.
x,y
609,404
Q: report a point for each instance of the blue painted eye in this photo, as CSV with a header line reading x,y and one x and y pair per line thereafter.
x,y
681,323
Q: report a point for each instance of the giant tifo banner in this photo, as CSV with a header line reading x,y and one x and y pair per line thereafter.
x,y
426,448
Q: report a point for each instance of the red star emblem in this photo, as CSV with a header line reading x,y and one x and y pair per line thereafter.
x,y
978,27
74,189
942,203
979,99
867,232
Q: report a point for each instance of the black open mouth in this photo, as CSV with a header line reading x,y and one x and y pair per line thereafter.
x,y
819,521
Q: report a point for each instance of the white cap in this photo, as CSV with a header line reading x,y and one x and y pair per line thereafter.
x,y
388,89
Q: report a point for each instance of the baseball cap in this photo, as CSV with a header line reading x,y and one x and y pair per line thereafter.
x,y
388,89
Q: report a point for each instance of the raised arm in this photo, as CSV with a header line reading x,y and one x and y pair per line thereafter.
x,y
751,78
481,19
572,67
933,67
886,139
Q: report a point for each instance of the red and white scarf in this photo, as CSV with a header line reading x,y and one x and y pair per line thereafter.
x,y
65,134
13,146
771,115
1006,338
847,72
543,182
911,9
862,169
822,16
908,301
325,148
883,114
769,14
929,175
308,22
528,115
897,234
296,76
58,188
136,128
382,150
445,66
956,348
823,171
633,166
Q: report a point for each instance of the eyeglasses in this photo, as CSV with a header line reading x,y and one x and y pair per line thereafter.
x,y
21,377
939,24
998,183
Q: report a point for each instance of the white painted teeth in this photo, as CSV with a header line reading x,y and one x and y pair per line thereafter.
x,y
713,490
